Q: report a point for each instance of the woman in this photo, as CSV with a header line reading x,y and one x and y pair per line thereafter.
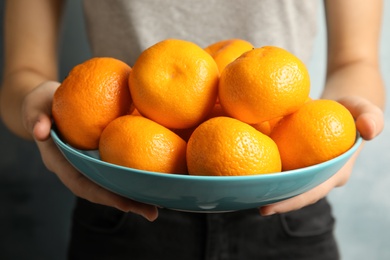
x,y
297,228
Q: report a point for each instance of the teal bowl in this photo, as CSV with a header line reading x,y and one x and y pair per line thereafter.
x,y
201,193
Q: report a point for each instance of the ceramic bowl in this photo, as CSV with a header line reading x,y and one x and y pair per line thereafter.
x,y
201,193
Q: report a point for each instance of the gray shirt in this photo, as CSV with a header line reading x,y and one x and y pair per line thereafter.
x,y
124,28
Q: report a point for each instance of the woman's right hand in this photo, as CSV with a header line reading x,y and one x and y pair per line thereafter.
x,y
36,116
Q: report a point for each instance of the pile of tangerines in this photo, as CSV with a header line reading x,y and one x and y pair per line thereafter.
x,y
227,109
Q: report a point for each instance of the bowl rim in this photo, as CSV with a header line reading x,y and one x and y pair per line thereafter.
x,y
358,141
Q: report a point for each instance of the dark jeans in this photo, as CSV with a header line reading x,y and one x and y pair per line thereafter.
x,y
104,233
35,207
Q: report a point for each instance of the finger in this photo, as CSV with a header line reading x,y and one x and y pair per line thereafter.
x,y
38,104
41,129
369,118
299,201
84,188
315,194
368,127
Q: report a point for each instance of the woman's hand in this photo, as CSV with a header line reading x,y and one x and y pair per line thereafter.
x,y
369,122
369,118
37,120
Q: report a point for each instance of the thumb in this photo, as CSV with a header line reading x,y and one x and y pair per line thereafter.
x,y
369,118
36,110
41,128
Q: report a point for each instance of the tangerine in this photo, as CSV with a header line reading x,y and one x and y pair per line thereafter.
x,y
224,146
140,143
226,51
93,94
263,84
174,83
319,131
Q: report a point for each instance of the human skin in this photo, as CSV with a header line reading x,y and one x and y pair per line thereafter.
x,y
353,78
30,80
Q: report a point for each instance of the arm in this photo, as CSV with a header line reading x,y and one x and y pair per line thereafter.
x,y
353,72
30,55
30,80
353,78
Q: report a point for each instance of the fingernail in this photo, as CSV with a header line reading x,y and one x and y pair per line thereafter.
x,y
268,214
152,216
265,212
